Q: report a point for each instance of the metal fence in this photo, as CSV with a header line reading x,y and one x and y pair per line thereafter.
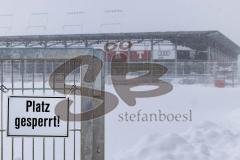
x,y
178,72
192,72
24,77
30,77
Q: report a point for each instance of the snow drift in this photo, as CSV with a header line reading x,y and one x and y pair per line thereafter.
x,y
207,141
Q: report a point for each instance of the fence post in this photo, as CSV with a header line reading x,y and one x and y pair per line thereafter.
x,y
92,131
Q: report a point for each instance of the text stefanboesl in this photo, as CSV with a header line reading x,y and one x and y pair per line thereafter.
x,y
158,116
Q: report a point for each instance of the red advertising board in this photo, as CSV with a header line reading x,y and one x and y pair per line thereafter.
x,y
134,55
140,55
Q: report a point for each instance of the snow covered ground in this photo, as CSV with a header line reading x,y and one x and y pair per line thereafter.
x,y
207,141
213,133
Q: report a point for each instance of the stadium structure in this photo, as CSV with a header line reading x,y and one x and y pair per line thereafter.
x,y
195,46
186,53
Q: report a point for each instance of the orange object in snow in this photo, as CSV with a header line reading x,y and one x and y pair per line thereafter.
x,y
220,83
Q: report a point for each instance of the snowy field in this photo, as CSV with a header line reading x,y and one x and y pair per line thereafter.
x,y
213,133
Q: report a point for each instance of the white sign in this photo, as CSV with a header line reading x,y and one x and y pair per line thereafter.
x,y
35,116
164,54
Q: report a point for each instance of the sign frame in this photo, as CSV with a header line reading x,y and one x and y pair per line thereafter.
x,y
11,135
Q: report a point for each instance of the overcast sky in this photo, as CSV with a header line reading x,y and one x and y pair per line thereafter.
x,y
19,17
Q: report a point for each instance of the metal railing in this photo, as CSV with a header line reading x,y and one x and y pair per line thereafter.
x,y
189,72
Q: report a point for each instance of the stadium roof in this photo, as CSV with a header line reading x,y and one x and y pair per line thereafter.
x,y
194,39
